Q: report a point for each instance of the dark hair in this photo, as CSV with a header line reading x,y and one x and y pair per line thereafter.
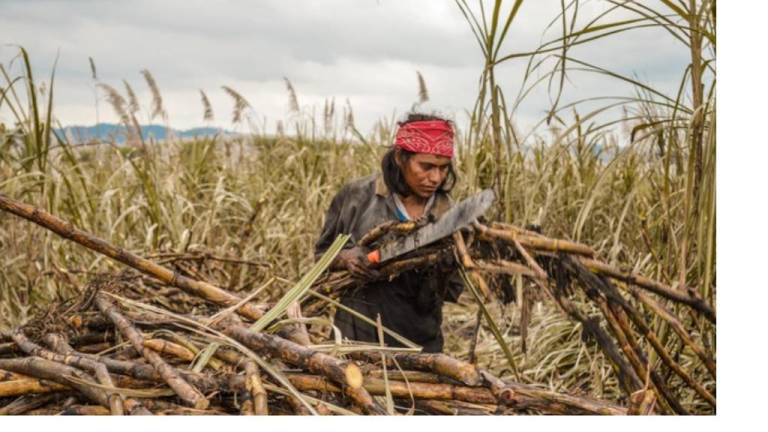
x,y
393,175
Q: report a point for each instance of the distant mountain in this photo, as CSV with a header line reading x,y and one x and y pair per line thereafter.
x,y
117,132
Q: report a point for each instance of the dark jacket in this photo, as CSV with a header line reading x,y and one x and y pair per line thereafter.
x,y
411,303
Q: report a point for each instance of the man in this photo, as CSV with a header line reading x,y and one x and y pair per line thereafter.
x,y
414,183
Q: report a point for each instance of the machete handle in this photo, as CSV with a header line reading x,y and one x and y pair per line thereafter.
x,y
374,257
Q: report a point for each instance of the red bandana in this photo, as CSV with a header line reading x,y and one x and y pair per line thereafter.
x,y
428,136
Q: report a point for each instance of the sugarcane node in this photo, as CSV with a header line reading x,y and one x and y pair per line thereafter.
x,y
353,375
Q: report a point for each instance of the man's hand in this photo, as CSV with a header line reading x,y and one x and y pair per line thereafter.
x,y
355,260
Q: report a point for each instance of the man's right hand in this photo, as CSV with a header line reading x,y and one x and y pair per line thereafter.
x,y
355,260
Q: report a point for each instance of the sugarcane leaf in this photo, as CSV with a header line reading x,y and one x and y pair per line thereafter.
x,y
204,357
365,319
303,285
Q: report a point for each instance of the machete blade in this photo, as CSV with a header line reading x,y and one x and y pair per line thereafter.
x,y
457,217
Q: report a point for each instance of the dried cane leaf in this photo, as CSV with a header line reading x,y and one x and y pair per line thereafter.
x,y
387,390
491,323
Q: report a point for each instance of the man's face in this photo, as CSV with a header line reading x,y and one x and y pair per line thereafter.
x,y
424,173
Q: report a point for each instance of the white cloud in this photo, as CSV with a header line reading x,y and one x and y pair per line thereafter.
x,y
364,50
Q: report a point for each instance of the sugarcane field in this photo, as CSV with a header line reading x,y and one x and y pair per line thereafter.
x,y
439,208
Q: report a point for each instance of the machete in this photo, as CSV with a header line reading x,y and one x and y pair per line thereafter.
x,y
457,217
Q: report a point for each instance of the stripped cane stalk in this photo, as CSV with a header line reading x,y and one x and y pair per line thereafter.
x,y
499,266
186,392
431,391
455,407
254,386
44,412
187,344
322,407
345,373
657,380
622,309
411,376
341,372
136,370
22,386
530,261
665,356
461,248
515,229
534,242
62,374
440,364
401,266
525,300
652,286
144,372
633,351
628,380
23,405
163,346
68,231
400,389
98,369
336,282
376,233
86,410
516,394
678,327
161,406
629,351
466,260
625,336
512,394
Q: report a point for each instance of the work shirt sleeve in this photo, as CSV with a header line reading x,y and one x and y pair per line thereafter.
x,y
334,224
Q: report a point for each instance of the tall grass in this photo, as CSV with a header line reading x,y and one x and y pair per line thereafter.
x,y
648,204
674,134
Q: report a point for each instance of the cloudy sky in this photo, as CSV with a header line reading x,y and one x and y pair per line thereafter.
x,y
366,51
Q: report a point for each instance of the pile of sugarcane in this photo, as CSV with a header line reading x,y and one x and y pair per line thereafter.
x,y
133,345
163,337
488,254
